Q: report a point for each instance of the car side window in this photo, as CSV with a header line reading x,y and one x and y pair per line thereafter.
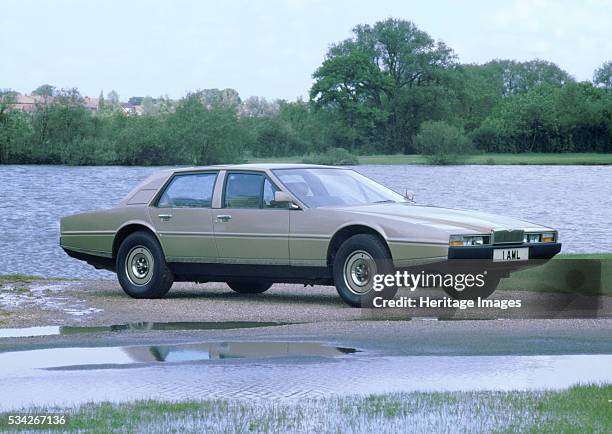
x,y
193,190
243,190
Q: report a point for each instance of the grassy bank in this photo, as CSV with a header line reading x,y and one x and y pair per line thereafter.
x,y
579,409
24,278
576,273
487,159
600,256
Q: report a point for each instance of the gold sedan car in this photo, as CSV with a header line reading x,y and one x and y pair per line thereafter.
x,y
254,225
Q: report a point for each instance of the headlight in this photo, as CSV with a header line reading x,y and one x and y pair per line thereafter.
x,y
539,237
532,238
469,240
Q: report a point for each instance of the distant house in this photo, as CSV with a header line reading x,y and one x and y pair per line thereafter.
x,y
91,103
132,109
28,103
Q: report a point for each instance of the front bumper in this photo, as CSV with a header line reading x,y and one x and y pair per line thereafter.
x,y
536,251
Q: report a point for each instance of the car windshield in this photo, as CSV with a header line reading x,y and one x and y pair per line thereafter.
x,y
323,187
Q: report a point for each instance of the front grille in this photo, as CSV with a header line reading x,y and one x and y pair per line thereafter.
x,y
508,237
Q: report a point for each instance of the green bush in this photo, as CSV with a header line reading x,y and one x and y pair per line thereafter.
x,y
441,143
274,137
332,157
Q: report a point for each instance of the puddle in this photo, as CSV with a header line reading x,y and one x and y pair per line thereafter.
x,y
109,357
30,332
45,297
139,326
52,287
158,375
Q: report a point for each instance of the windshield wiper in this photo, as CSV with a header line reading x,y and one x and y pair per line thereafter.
x,y
384,201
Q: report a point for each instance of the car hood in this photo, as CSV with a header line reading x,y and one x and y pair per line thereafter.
x,y
447,219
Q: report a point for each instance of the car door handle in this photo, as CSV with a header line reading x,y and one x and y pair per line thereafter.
x,y
224,218
164,217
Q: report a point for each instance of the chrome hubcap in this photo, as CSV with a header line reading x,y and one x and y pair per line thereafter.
x,y
139,265
359,271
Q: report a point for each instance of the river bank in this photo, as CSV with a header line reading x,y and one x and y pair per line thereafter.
x,y
578,409
569,159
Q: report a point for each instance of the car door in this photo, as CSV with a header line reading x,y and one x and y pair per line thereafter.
x,y
183,219
249,227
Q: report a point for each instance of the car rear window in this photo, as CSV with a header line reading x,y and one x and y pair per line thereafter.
x,y
193,190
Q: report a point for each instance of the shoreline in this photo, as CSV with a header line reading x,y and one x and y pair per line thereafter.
x,y
485,159
576,408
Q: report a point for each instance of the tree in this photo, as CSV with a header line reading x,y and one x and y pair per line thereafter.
x,y
441,143
256,106
101,101
481,90
59,127
45,90
602,76
575,117
8,95
523,123
228,99
7,133
113,97
353,85
164,105
139,141
514,77
148,105
584,114
7,98
275,137
315,128
370,77
195,134
15,135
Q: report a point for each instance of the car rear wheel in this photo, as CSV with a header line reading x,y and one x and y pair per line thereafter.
x,y
141,267
357,261
247,287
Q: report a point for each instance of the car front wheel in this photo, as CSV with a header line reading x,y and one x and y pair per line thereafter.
x,y
358,260
142,268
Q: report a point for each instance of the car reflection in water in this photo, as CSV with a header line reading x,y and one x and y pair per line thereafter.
x,y
233,350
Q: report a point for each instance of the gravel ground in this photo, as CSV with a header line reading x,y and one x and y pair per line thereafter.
x,y
547,323
103,303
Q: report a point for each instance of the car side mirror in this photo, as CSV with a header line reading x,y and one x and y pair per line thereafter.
x,y
284,200
409,196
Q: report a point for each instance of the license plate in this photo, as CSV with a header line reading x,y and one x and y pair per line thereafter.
x,y
510,255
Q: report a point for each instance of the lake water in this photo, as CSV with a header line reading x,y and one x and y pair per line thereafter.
x,y
270,371
577,200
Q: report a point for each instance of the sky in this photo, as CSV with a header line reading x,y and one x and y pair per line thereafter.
x,y
268,48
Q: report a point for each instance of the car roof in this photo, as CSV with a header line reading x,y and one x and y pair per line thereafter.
x,y
254,166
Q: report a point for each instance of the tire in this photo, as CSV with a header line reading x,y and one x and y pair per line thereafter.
x,y
141,267
356,262
246,287
491,284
